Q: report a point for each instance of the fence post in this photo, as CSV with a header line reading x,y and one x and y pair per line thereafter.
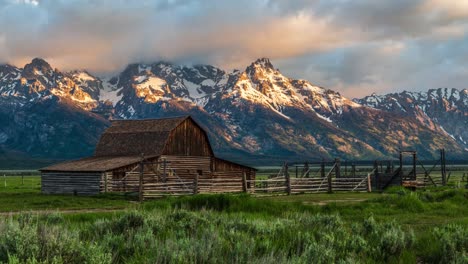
x,y
288,179
164,170
401,169
329,181
244,182
442,167
337,168
140,197
369,186
377,178
105,182
4,179
322,169
195,183
306,169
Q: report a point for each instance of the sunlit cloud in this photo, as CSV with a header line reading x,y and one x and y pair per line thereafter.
x,y
352,46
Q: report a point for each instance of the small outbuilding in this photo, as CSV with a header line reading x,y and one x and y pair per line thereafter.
x,y
155,157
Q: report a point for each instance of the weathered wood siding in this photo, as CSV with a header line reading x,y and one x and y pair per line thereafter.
x,y
220,165
188,139
80,183
186,167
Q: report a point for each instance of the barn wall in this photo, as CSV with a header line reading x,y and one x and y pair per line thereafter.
x,y
187,166
220,165
188,139
80,183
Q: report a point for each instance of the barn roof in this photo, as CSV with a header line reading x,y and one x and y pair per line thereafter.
x,y
235,163
123,143
133,137
145,125
95,164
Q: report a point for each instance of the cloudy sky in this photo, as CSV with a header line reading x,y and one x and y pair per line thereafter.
x,y
353,46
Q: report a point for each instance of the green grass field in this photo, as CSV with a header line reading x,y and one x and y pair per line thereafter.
x,y
397,226
24,194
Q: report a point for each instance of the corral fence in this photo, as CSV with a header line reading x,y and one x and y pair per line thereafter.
x,y
166,181
149,182
327,178
292,178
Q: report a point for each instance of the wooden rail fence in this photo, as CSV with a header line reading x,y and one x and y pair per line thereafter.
x,y
286,185
169,182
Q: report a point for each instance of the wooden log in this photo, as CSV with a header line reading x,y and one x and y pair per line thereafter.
x,y
270,189
258,181
287,178
337,168
195,184
140,196
329,181
244,182
369,186
311,189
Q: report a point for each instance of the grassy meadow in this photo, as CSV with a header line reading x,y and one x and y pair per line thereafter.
x,y
397,226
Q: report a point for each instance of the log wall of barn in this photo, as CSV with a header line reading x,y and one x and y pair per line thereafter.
x,y
80,183
188,139
187,166
220,165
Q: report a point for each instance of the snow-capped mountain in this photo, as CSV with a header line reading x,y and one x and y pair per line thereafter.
x,y
259,111
255,112
38,80
149,84
443,109
44,113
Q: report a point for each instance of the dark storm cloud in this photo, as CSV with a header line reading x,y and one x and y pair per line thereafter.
x,y
354,46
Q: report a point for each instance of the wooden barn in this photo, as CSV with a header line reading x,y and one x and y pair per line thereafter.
x,y
155,157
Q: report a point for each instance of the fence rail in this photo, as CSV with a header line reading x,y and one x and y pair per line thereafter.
x,y
328,178
309,185
150,184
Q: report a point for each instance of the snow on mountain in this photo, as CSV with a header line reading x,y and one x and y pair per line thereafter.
x,y
280,109
141,84
262,84
444,110
252,112
259,83
38,80
110,92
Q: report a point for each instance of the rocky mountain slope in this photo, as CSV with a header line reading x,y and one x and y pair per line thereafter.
x,y
444,110
256,112
45,113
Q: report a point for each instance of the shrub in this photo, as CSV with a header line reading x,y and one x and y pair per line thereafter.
x,y
128,222
40,242
388,239
453,240
209,236
52,218
410,203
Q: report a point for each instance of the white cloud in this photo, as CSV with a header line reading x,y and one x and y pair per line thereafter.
x,y
346,45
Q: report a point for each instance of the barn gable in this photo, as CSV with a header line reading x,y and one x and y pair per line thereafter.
x,y
188,139
168,136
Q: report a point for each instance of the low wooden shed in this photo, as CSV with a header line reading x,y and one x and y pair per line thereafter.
x,y
155,157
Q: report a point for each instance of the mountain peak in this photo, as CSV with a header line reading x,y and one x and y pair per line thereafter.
x,y
39,62
38,66
263,63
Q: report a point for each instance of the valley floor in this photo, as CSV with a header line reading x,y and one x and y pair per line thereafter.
x,y
396,226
